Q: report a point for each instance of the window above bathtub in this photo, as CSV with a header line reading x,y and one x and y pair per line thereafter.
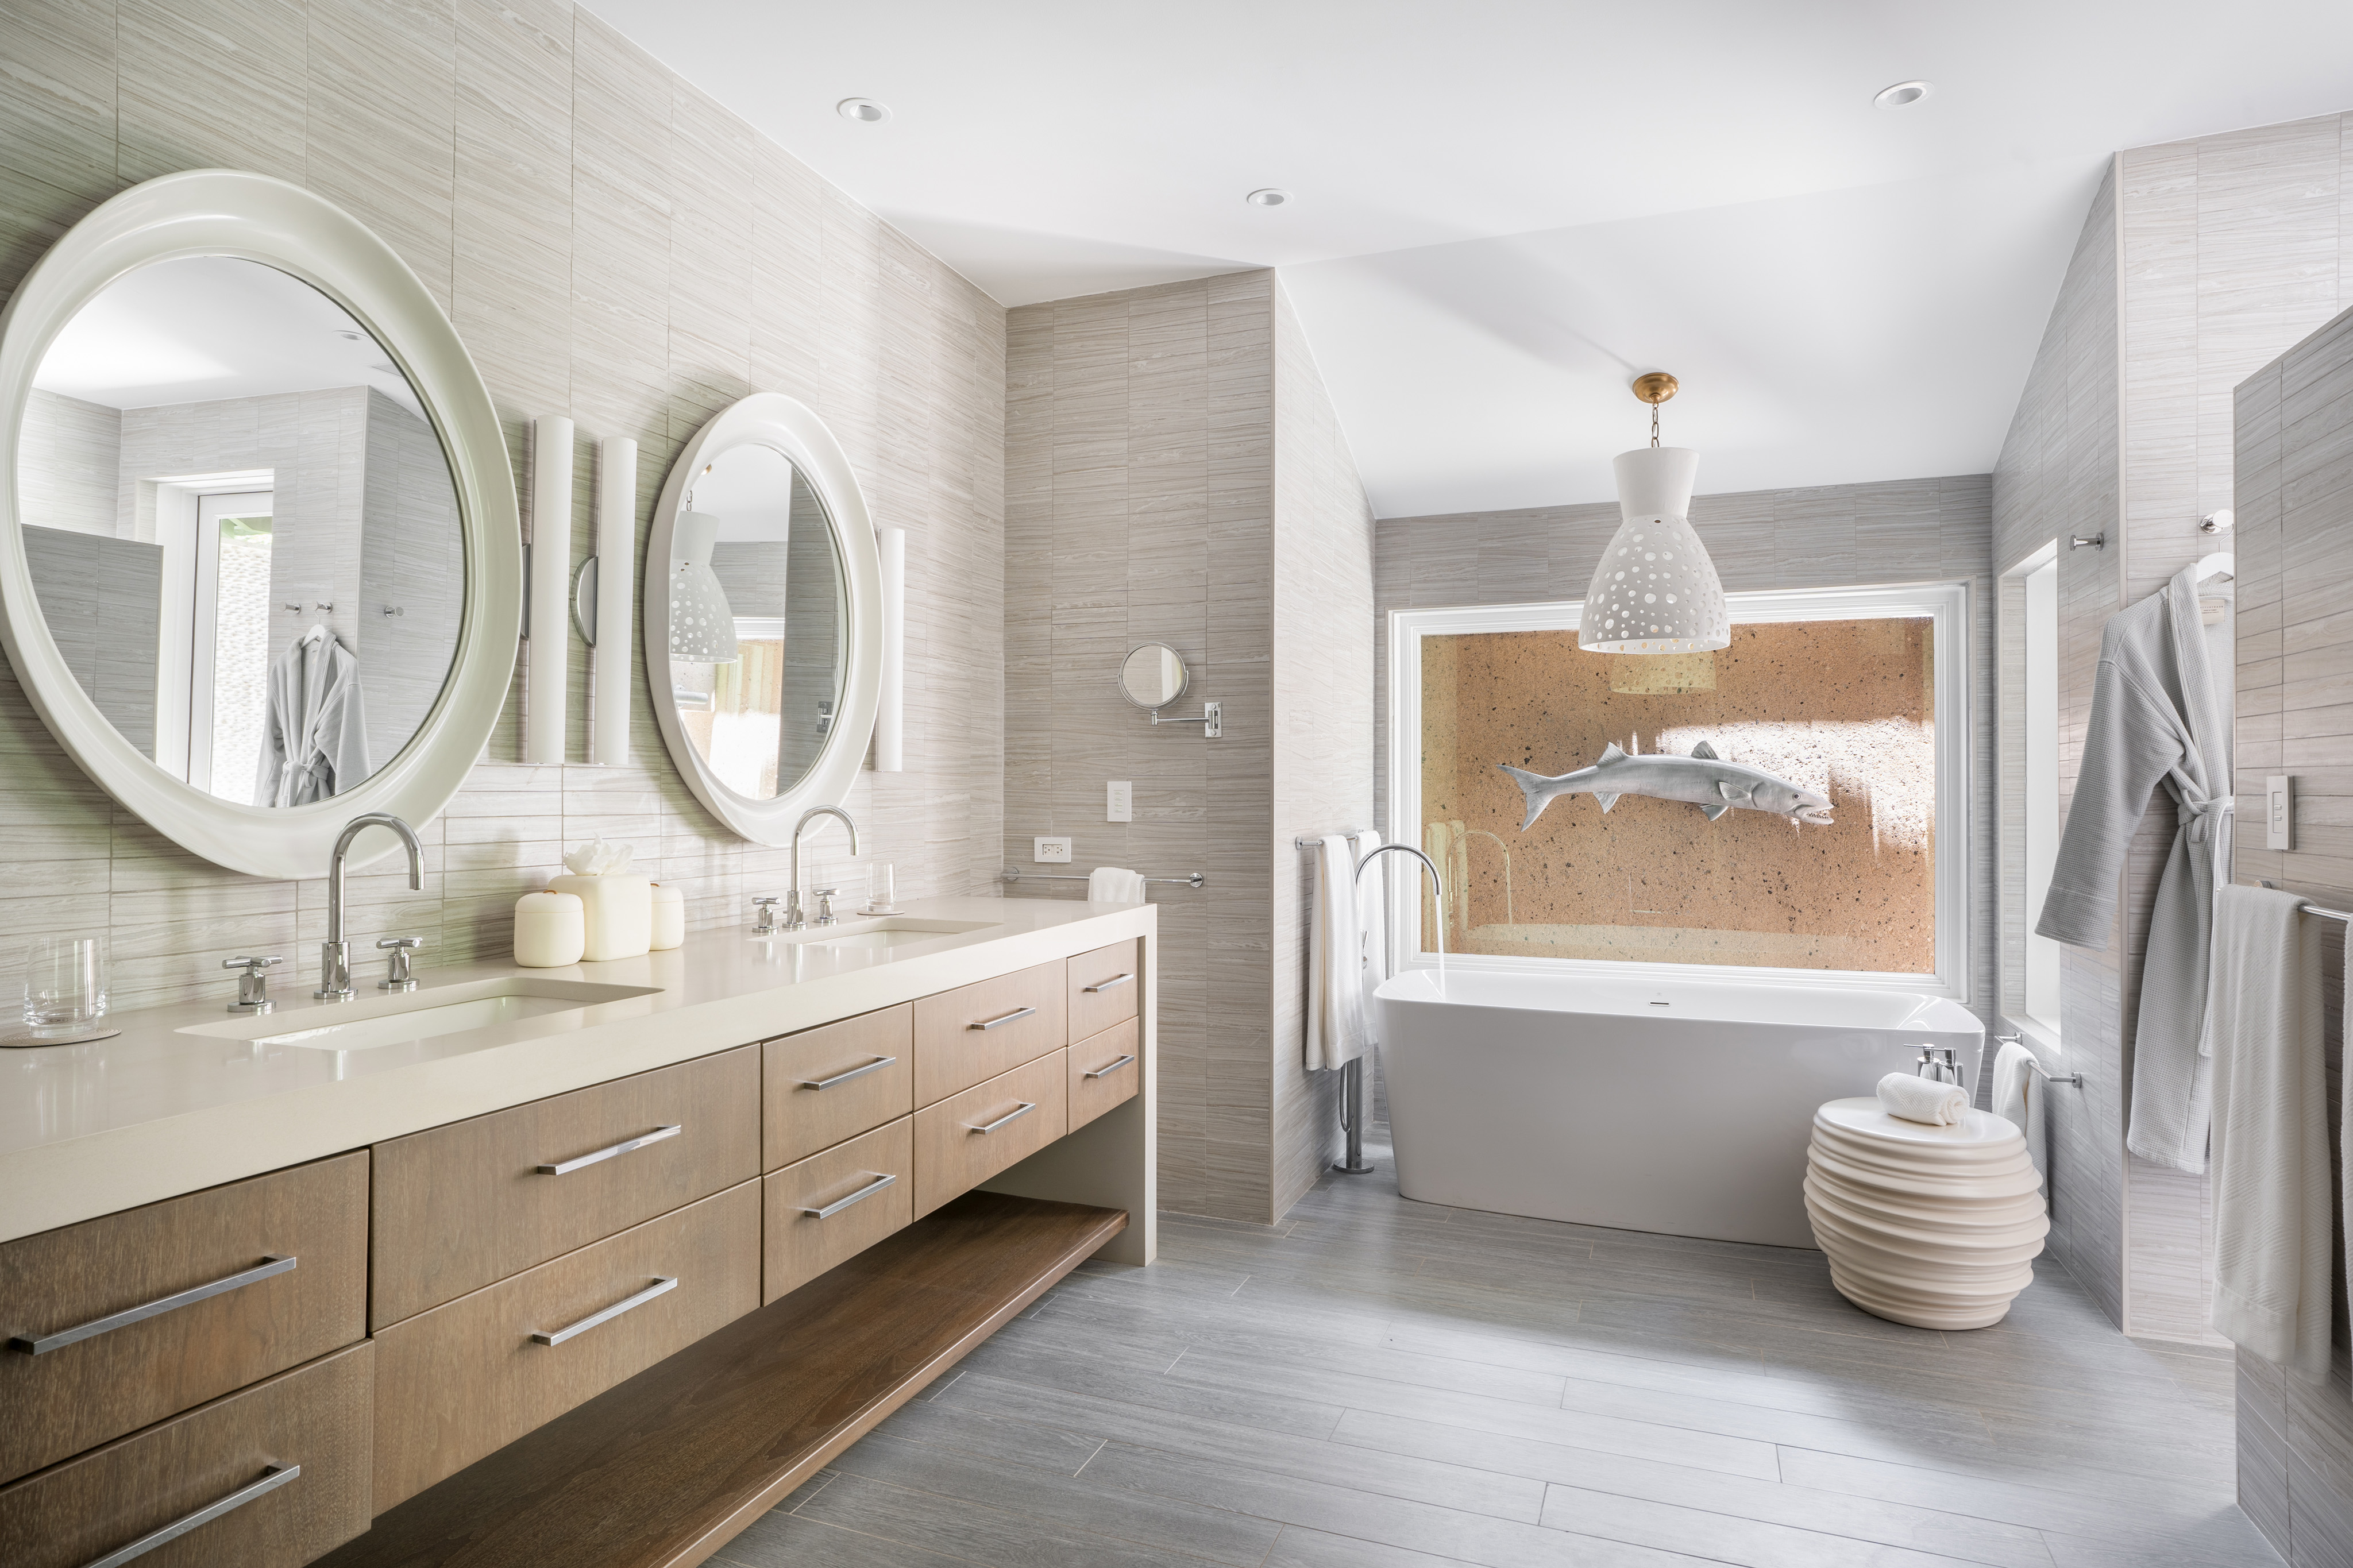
x,y
1824,841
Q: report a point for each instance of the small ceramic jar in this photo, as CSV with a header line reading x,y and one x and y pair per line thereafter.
x,y
669,917
550,930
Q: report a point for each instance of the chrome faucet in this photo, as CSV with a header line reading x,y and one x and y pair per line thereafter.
x,y
335,953
793,920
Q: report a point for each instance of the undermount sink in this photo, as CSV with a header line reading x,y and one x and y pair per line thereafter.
x,y
372,1022
890,930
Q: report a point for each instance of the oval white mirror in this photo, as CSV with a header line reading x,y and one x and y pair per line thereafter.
x,y
1153,675
262,568
762,617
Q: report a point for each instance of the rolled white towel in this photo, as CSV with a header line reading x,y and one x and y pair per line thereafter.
x,y
1923,1100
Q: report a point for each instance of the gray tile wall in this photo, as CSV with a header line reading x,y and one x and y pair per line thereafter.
x,y
1903,531
611,245
1174,474
68,453
2294,490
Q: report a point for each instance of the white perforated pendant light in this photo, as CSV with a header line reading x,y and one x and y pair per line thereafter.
x,y
1655,590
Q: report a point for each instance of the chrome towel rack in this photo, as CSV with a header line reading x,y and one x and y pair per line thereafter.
x,y
2073,1079
2310,909
1015,874
1312,843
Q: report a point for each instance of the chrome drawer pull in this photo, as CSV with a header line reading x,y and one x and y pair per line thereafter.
x,y
41,1344
861,1196
272,1478
1113,983
1109,1068
993,1023
877,1065
660,1287
1026,1106
626,1146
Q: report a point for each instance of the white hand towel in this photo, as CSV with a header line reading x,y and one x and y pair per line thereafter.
x,y
1114,885
2272,1219
2018,1097
1336,959
1923,1100
1372,926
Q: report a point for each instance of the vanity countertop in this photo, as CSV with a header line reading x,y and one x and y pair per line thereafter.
x,y
162,1109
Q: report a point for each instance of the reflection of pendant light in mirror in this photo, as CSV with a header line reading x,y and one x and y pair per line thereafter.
x,y
891,709
701,627
547,657
1655,590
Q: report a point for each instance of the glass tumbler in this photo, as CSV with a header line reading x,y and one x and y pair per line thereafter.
x,y
882,887
65,985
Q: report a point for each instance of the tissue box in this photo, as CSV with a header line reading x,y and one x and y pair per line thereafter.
x,y
549,931
618,909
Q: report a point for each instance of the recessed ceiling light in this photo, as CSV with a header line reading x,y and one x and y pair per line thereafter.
x,y
1902,93
864,111
1271,197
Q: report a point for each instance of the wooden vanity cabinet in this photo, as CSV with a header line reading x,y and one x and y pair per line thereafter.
x,y
314,1419
830,1208
1105,1071
968,1138
1105,987
974,1032
461,1206
58,1399
836,1081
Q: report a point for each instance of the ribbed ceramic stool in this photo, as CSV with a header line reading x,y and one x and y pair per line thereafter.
x,y
1934,1226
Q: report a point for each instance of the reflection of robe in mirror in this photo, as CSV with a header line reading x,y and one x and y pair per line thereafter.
x,y
314,735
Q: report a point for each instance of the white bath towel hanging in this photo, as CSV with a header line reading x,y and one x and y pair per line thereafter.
x,y
1373,925
1335,986
1114,885
2271,1218
2018,1097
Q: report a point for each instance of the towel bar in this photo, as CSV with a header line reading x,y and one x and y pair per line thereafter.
x,y
1015,874
2326,914
2073,1079
1312,843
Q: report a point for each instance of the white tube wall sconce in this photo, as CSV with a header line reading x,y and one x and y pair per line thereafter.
x,y
890,711
617,559
547,634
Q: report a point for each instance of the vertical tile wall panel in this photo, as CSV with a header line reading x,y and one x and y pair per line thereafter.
x,y
612,246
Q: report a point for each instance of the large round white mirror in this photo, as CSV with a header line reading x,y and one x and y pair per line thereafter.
x,y
762,617
259,517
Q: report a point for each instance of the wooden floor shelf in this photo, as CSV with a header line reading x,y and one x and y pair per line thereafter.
x,y
663,1470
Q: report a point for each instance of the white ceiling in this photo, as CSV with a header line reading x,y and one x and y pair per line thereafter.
x,y
206,327
1505,210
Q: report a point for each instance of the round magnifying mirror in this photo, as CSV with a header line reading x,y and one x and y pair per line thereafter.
x,y
1153,675
241,529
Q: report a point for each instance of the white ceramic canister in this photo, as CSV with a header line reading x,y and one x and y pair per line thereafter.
x,y
670,918
549,929
619,909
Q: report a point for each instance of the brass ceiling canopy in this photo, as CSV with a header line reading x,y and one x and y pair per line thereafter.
x,y
1655,388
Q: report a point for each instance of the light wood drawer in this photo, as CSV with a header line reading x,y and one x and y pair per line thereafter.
x,y
463,1379
970,1034
460,1207
953,1155
810,1101
1104,985
800,1245
69,1396
1099,1079
313,1419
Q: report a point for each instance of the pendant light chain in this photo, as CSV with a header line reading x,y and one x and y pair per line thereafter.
x,y
1654,425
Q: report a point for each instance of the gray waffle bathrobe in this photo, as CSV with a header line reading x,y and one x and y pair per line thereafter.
x,y
2160,712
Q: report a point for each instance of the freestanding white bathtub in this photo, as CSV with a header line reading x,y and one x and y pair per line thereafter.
x,y
1681,1107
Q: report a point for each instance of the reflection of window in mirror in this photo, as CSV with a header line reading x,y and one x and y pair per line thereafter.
x,y
2042,799
230,644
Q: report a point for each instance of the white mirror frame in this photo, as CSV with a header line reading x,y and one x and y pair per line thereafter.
x,y
226,212
790,427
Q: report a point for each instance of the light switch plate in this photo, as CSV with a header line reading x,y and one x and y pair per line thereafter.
x,y
1050,851
2279,812
1119,801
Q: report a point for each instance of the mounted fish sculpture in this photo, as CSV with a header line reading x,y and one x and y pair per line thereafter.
x,y
1703,779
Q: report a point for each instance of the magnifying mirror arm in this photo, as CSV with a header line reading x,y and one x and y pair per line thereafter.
x,y
1211,719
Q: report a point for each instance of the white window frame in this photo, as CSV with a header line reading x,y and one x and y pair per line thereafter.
x,y
1946,605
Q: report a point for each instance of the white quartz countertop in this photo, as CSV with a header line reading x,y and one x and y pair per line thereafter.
x,y
171,1106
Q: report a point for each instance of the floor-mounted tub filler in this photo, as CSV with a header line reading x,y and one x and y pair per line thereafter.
x,y
1682,1107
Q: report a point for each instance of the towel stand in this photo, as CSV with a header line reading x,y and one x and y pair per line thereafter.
x,y
2073,1079
1015,874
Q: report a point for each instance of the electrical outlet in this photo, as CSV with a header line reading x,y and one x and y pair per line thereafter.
x,y
1050,851
1119,801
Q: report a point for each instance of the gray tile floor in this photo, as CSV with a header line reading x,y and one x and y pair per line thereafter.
x,y
1379,1384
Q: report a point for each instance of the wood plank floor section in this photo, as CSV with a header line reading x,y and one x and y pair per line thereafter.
x,y
1378,1383
656,1472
